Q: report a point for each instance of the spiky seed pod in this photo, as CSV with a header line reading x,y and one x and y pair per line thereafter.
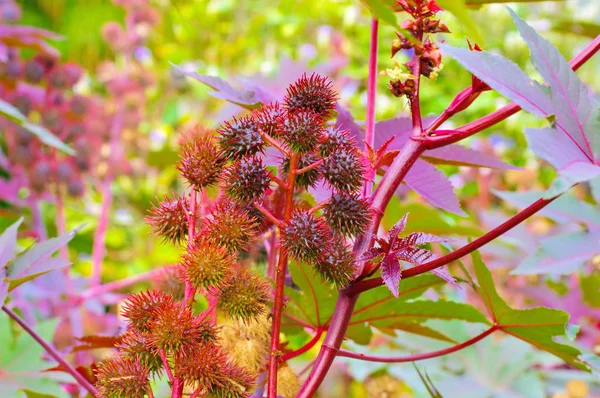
x,y
230,227
135,346
267,117
314,93
240,137
201,162
122,377
335,139
171,281
301,130
247,179
247,343
209,367
308,178
175,327
288,384
207,264
343,170
305,237
245,297
169,219
140,308
348,214
385,385
336,266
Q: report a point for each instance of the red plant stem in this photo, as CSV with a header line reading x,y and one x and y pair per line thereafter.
x,y
163,357
267,214
99,247
150,393
305,347
276,144
118,285
280,283
310,167
371,91
278,180
196,392
83,382
497,116
207,311
463,251
419,357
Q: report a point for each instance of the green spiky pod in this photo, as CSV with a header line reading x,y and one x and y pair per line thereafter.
x,y
122,377
314,93
336,266
306,179
305,237
347,213
301,130
207,264
335,139
267,117
208,366
230,226
140,308
168,219
134,345
240,137
171,281
201,162
343,170
245,297
247,179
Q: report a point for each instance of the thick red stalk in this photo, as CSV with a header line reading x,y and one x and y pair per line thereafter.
x,y
280,272
83,382
419,357
371,91
117,285
463,251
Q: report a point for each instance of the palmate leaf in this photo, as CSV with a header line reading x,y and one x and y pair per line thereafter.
x,y
537,326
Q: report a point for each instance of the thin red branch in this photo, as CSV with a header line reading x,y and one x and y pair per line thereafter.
x,y
267,214
83,382
305,347
120,284
276,144
310,167
278,180
463,251
418,357
163,357
371,92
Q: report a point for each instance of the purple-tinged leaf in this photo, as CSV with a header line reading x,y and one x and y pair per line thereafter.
x,y
397,228
414,255
346,121
570,175
462,156
420,238
570,101
504,76
554,147
369,255
245,98
445,275
50,264
391,273
399,128
8,245
433,185
561,254
567,208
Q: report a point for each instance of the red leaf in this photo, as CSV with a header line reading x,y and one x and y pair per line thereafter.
x,y
94,342
391,273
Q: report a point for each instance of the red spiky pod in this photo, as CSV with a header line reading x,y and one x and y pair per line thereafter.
x,y
230,227
171,281
305,237
336,139
135,346
240,137
201,162
245,297
140,308
207,264
169,219
348,214
175,327
314,93
336,265
343,170
301,130
308,178
122,377
247,179
267,117
209,367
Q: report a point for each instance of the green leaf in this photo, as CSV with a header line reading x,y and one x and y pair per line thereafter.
x,y
537,326
457,7
382,10
13,114
590,287
33,394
